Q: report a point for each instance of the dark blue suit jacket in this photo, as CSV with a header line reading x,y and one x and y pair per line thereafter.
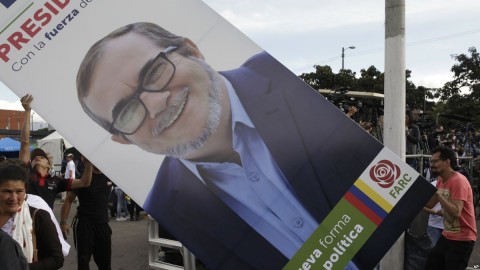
x,y
320,151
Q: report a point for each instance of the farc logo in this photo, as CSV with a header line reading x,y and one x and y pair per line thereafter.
x,y
7,3
385,173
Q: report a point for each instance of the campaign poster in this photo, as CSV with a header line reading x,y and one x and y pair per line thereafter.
x,y
228,150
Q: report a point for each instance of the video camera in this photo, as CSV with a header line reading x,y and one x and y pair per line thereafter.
x,y
342,101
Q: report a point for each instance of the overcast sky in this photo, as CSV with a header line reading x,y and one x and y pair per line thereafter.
x,y
303,33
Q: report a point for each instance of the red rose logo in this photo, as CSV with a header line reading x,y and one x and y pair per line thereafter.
x,y
385,173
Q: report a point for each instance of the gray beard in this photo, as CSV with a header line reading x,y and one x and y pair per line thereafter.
x,y
213,121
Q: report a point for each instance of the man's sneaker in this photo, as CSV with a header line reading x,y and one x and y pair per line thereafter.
x,y
121,219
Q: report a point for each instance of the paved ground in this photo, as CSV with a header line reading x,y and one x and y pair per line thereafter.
x,y
130,245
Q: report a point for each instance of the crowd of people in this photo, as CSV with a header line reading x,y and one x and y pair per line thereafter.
x,y
452,229
452,226
422,136
28,189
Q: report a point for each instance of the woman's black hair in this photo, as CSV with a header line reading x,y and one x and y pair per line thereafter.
x,y
13,170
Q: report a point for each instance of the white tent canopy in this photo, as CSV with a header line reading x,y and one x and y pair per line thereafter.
x,y
54,144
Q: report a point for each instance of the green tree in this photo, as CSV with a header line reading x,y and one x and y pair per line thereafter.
x,y
371,80
466,77
420,97
461,96
324,78
345,78
453,102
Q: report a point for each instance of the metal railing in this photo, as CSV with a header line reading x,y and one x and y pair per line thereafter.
x,y
156,254
156,243
422,157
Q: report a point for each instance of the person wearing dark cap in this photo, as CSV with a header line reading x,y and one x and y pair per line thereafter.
x,y
41,182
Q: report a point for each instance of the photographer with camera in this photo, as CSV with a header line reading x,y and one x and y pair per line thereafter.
x,y
412,134
435,138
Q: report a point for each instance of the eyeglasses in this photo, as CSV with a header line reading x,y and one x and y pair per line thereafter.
x,y
155,76
432,161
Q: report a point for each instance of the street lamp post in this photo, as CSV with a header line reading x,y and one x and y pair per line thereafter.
x,y
343,54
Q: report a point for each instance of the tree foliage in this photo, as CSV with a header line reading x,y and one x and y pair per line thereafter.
x,y
324,78
466,76
371,80
459,97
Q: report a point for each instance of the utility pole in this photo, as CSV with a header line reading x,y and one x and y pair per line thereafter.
x,y
394,106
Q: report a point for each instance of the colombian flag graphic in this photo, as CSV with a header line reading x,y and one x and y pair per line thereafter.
x,y
357,215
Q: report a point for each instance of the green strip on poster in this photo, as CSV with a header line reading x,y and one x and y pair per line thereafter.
x,y
336,240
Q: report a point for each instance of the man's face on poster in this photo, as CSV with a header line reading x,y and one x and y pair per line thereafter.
x,y
172,111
